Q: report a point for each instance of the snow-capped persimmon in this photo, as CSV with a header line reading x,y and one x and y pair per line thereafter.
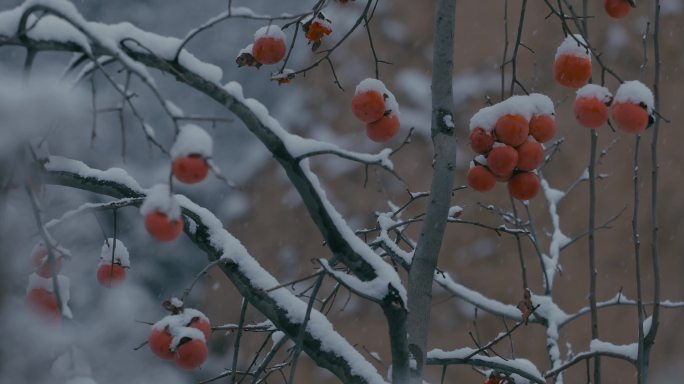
x,y
269,45
161,228
523,186
45,303
617,9
202,324
512,129
318,29
190,169
160,343
530,155
542,128
39,260
191,354
502,159
572,71
481,179
481,141
368,106
383,129
630,117
590,112
110,275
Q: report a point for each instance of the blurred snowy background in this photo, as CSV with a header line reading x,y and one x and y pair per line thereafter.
x,y
265,213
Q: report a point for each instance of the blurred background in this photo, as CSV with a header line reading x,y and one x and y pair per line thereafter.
x,y
266,214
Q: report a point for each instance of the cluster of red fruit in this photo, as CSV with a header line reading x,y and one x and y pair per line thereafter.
x,y
269,45
190,153
39,294
376,106
508,137
181,337
631,110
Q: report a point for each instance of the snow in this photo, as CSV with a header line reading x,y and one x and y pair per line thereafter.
x,y
368,85
449,121
272,31
79,31
120,253
635,92
526,106
248,49
595,91
159,198
516,365
455,210
558,238
175,110
629,351
192,140
574,46
475,298
116,175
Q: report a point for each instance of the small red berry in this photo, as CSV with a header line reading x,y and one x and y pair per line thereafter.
x,y
161,228
191,354
524,186
512,129
481,179
110,275
190,169
383,129
160,343
481,141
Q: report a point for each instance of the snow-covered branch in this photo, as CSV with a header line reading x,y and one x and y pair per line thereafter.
x,y
281,307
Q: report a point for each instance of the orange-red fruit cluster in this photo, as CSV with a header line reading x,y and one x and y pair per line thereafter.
x,y
370,108
110,275
161,228
190,353
572,71
617,9
512,150
190,169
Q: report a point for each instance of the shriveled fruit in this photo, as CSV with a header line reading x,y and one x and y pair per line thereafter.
x,y
203,325
572,71
160,343
383,129
481,141
530,155
481,179
590,112
523,186
268,50
502,159
542,128
45,303
617,9
317,30
630,117
110,275
191,354
190,169
39,260
368,106
512,129
161,228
